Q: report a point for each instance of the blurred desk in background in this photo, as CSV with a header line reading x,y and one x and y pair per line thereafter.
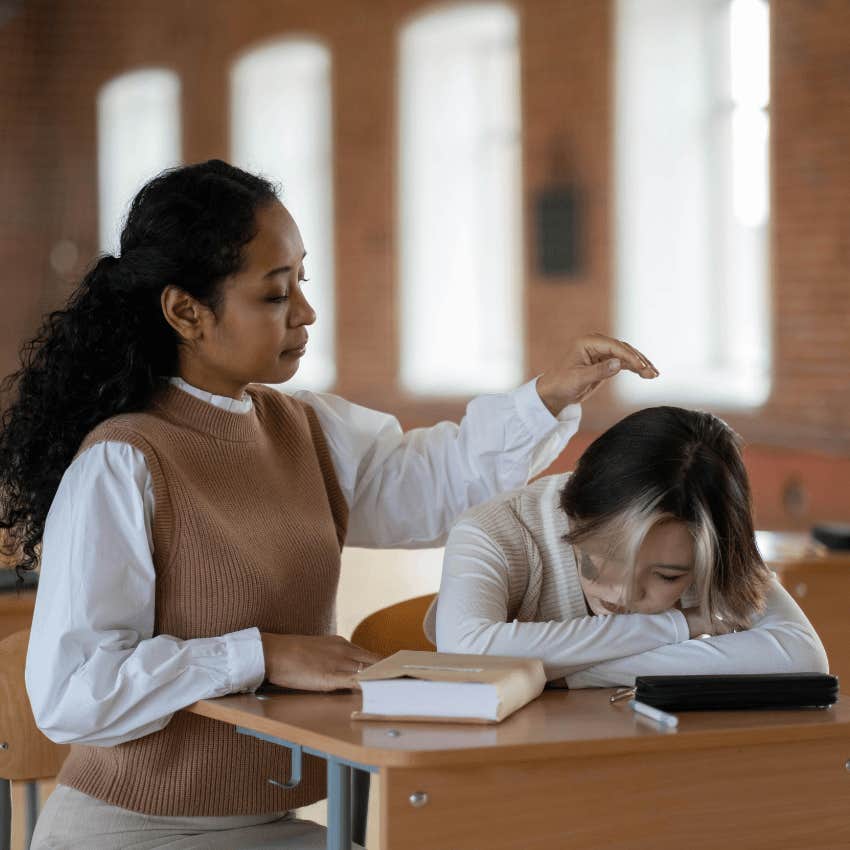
x,y
16,601
819,580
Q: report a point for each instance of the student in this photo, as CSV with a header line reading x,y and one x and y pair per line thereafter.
x,y
196,517
612,571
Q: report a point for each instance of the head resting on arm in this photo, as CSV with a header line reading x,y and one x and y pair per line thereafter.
x,y
663,468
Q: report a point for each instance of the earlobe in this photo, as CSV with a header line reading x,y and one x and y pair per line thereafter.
x,y
182,312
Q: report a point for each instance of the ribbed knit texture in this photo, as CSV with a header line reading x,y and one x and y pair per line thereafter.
x,y
249,522
528,526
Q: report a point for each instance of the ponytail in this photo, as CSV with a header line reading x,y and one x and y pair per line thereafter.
x,y
104,353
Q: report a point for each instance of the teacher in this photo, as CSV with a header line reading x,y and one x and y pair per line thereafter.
x,y
189,519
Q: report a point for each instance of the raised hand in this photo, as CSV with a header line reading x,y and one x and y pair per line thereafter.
x,y
589,361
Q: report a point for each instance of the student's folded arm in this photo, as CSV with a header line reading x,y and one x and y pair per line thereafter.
x,y
405,489
781,640
95,674
474,600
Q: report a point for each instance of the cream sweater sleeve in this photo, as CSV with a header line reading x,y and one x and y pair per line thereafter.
x,y
781,640
475,601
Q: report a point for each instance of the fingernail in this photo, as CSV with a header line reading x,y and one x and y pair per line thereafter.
x,y
614,365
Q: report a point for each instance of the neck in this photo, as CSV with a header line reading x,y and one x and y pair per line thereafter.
x,y
215,384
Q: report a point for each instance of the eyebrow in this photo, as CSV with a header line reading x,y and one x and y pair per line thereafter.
x,y
284,269
671,567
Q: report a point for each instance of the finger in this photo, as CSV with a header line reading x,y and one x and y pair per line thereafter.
x,y
358,653
646,369
355,667
642,356
589,377
599,347
338,682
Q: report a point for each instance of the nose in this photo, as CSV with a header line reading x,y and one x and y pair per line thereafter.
x,y
301,311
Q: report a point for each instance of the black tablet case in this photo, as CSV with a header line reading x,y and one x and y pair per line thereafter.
x,y
763,690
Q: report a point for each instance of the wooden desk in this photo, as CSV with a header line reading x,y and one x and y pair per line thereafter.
x,y
819,580
572,771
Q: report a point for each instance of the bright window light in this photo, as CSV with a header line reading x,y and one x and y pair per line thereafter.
x,y
693,207
460,200
281,128
749,36
138,135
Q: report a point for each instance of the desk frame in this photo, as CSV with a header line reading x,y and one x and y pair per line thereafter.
x,y
343,784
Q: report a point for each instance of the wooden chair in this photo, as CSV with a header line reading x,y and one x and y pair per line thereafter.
x,y
384,632
395,628
26,755
17,600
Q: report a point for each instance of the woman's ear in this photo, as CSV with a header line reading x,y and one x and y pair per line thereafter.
x,y
183,312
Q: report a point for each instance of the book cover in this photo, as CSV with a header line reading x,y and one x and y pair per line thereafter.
x,y
448,687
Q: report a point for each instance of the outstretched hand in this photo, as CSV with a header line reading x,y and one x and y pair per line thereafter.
x,y
590,361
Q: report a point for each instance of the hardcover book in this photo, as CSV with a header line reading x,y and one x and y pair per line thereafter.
x,y
441,686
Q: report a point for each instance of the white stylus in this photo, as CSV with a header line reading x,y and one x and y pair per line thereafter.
x,y
655,714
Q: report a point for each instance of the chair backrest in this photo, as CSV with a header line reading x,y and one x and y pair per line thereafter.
x,y
16,607
395,628
28,755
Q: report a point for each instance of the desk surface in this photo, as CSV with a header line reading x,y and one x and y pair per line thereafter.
x,y
559,724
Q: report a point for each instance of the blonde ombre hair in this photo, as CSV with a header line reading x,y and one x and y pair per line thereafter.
x,y
669,464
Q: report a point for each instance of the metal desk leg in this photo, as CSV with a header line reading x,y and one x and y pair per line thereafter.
x,y
5,814
32,811
339,805
341,785
360,781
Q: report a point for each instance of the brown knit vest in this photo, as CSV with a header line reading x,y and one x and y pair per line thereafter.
x,y
249,522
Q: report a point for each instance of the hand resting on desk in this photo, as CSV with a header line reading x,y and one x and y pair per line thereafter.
x,y
313,662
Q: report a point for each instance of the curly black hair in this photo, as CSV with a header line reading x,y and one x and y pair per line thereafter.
x,y
104,352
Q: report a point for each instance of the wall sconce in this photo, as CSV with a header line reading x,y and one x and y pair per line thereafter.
x,y
558,217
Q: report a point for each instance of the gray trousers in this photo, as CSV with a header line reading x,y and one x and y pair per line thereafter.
x,y
72,820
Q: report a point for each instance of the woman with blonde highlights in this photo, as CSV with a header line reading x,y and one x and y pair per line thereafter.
x,y
643,561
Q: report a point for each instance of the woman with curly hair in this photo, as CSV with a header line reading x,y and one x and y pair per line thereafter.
x,y
189,520
643,561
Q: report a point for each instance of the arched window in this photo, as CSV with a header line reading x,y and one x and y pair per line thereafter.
x,y
692,197
460,200
138,135
281,128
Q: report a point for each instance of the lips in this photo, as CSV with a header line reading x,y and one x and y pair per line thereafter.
x,y
613,609
295,352
296,349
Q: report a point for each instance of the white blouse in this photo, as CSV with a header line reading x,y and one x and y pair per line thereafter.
x,y
95,673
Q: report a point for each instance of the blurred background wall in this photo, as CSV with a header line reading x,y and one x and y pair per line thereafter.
x,y
572,135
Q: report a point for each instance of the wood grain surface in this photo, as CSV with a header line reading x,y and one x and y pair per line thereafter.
x,y
559,724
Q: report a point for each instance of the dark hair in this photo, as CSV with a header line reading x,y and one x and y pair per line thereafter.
x,y
103,353
670,463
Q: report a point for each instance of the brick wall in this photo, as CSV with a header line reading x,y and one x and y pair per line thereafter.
x,y
57,53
